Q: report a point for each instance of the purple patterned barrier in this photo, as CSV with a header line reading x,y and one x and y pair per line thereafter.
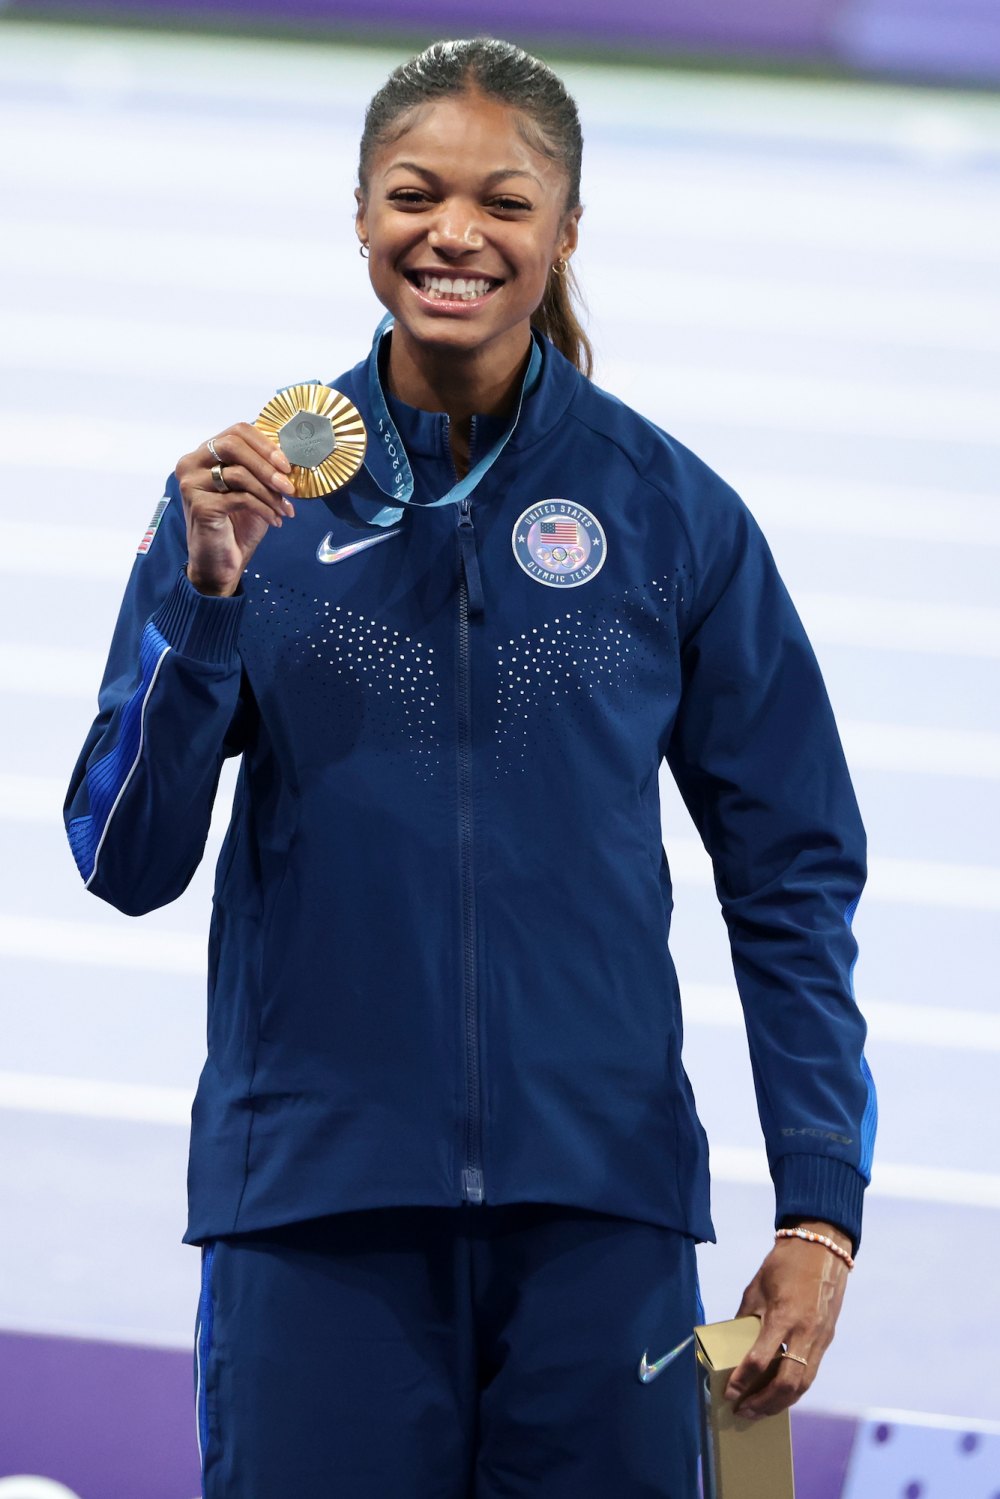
x,y
729,25
107,1420
821,1451
111,1421
957,39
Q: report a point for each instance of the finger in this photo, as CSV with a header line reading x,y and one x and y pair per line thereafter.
x,y
213,517
256,439
757,1367
788,1385
240,480
762,1363
261,458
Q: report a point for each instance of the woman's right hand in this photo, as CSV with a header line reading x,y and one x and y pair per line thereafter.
x,y
224,530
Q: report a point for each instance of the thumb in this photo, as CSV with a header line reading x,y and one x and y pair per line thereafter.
x,y
752,1304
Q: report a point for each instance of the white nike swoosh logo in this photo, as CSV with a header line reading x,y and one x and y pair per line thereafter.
x,y
648,1371
327,553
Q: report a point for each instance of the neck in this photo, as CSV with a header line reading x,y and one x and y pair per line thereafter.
x,y
462,383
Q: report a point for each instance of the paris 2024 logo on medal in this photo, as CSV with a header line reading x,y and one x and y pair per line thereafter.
x,y
559,543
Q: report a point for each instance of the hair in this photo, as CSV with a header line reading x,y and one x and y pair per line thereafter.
x,y
549,122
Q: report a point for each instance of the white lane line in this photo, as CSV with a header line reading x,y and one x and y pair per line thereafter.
x,y
962,1424
918,882
106,347
143,948
97,554
932,629
899,748
52,940
680,395
926,627
147,448
717,1006
164,257
934,1184
137,1103
50,671
32,799
761,304
158,258
85,1098
937,1184
921,751
802,503
816,504
765,201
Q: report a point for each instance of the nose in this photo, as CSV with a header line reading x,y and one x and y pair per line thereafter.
x,y
455,230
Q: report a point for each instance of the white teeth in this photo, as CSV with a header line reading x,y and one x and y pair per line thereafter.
x,y
459,288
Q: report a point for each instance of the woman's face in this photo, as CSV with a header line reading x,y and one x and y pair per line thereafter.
x,y
464,220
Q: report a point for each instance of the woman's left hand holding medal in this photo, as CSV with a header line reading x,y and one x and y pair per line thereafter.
x,y
234,488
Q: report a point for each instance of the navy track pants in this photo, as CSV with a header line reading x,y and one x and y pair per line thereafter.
x,y
448,1353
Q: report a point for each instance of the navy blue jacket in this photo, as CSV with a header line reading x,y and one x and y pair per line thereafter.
x,y
438,964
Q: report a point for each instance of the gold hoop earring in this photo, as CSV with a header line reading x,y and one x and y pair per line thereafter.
x,y
561,267
363,250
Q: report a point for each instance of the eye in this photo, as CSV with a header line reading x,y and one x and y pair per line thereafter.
x,y
510,205
408,197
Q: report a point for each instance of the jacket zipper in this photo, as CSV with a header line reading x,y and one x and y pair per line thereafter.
x,y
470,601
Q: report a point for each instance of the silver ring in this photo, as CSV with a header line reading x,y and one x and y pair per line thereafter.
x,y
210,445
218,479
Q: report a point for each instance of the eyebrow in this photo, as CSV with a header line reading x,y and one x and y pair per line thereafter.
x,y
500,175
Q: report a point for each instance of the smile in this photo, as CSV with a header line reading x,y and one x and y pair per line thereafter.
x,y
452,289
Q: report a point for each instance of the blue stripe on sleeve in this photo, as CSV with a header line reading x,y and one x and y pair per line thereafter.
x,y
869,1119
108,777
869,1122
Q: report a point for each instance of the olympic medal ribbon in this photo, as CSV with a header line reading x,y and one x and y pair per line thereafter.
x,y
386,459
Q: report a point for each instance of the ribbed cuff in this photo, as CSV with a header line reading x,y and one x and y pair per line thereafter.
x,y
200,626
819,1186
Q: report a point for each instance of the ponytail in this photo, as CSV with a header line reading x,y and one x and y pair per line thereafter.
x,y
556,319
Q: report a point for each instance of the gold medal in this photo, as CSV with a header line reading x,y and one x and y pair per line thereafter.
x,y
320,433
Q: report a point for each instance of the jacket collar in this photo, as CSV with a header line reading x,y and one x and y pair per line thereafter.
x,y
425,432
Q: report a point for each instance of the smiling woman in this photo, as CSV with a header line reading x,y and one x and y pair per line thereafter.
x,y
469,249
446,1170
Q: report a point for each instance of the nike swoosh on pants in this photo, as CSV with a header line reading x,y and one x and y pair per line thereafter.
x,y
648,1371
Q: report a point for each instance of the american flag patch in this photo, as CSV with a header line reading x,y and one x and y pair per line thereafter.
x,y
150,532
562,532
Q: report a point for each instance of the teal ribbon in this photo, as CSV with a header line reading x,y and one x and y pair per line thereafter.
x,y
386,459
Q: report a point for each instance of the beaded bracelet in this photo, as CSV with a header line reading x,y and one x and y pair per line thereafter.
x,y
810,1237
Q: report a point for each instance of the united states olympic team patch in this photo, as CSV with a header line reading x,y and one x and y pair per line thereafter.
x,y
559,543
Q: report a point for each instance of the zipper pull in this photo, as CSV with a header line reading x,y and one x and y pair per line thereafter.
x,y
470,558
472,1185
